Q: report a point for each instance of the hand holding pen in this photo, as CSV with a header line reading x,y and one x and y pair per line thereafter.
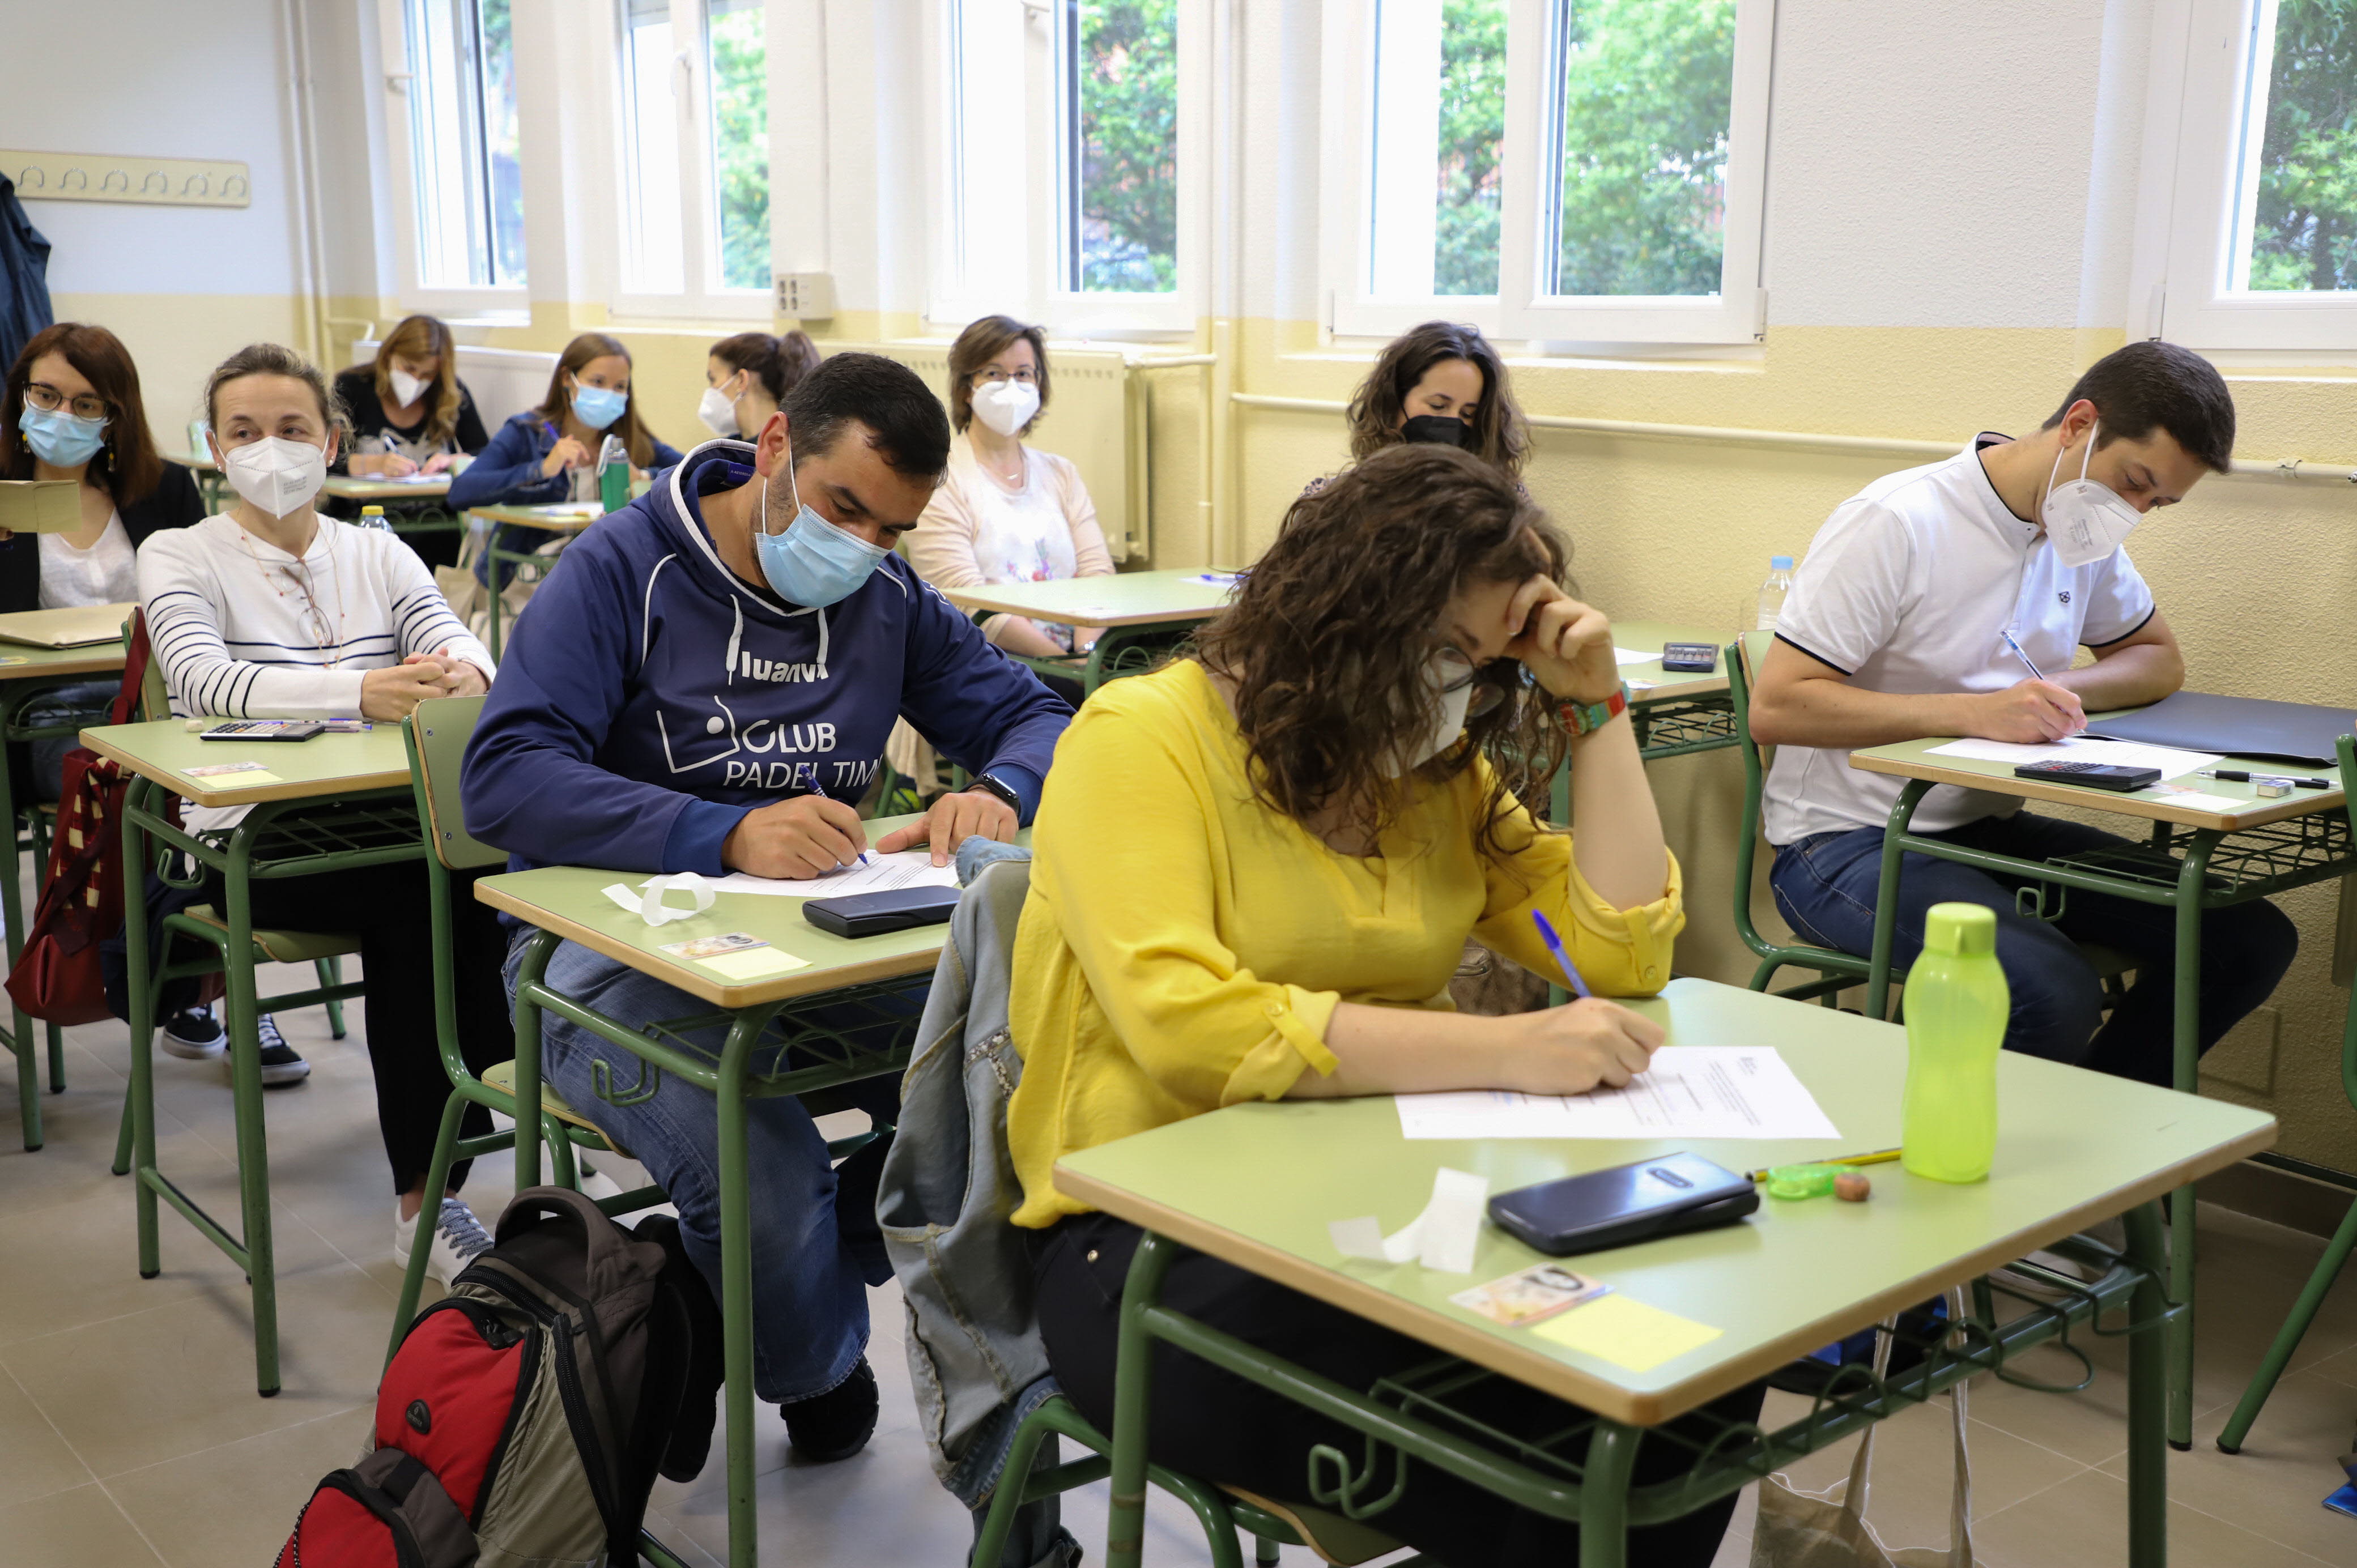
x,y
2030,712
1588,1044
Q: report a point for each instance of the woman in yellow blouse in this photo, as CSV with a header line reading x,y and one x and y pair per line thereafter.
x,y
1254,872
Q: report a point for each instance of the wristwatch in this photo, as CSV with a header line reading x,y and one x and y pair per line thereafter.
x,y
1587,718
1001,789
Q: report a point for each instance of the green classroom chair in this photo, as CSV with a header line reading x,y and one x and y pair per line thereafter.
x,y
2328,1268
436,734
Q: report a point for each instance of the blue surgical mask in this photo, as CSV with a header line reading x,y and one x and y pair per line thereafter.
x,y
813,564
598,408
61,439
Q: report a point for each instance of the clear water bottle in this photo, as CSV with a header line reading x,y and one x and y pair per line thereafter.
x,y
374,517
1772,592
1957,1006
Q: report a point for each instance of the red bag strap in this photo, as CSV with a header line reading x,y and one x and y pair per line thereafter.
x,y
134,672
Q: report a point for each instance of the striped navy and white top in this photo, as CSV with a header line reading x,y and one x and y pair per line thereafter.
x,y
243,629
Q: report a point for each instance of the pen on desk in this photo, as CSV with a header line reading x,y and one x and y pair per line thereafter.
x,y
2036,674
1877,1157
1562,959
2244,776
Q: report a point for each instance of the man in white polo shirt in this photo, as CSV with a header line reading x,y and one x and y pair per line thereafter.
x,y
1896,630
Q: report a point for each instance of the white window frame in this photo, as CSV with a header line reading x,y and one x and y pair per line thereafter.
x,y
2201,232
400,81
997,181
701,296
1736,314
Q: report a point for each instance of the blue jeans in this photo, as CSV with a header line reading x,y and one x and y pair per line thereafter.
x,y
1826,886
816,1246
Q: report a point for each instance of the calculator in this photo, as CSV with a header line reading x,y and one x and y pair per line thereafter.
x,y
264,729
2090,774
1699,657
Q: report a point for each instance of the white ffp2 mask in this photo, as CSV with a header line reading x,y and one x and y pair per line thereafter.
x,y
718,411
405,387
2085,519
1006,407
1447,725
276,475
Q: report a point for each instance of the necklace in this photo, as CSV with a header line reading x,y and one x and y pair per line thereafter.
x,y
324,638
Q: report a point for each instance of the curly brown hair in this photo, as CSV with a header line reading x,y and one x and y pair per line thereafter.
x,y
1379,404
1331,636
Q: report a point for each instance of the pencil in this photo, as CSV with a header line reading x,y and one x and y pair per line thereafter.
x,y
1879,1156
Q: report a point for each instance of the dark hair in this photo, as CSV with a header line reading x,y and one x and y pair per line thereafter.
x,y
274,359
126,467
1381,402
417,336
904,419
2155,383
983,341
1329,636
559,402
778,363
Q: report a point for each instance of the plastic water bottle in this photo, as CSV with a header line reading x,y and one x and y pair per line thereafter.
x,y
1772,592
374,517
1957,1005
613,474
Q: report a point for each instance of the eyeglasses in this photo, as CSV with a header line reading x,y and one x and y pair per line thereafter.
x,y
49,400
997,377
1488,681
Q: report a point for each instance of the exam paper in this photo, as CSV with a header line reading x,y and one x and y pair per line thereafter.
x,y
2172,762
883,872
1632,656
1690,1091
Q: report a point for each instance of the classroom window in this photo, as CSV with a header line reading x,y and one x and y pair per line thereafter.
x,y
465,178
2263,251
694,156
1577,170
1120,163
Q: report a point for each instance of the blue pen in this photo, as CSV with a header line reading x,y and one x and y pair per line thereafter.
x,y
1562,959
2035,672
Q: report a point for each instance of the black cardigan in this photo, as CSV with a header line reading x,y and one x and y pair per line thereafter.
x,y
357,388
172,503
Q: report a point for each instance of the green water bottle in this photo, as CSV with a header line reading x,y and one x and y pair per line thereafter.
x,y
613,474
1957,1004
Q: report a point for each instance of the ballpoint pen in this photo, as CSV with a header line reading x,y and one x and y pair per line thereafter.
x,y
2035,672
1562,959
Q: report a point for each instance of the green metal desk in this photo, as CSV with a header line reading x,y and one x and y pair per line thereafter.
x,y
1675,712
434,518
27,674
1256,1183
1143,613
211,483
2192,860
560,517
338,802
569,903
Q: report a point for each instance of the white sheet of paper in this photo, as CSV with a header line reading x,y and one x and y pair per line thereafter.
x,y
1632,656
1690,1091
2172,762
2194,799
883,872
1443,1237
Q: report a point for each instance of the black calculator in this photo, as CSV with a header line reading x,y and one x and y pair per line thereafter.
x,y
2090,774
264,729
1701,658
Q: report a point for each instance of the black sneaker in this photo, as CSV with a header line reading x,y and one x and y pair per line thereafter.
x,y
280,1065
195,1035
834,1424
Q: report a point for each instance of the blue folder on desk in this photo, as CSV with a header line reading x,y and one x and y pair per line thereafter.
x,y
2237,726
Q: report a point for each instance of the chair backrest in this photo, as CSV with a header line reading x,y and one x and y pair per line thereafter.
x,y
438,734
154,702
1743,657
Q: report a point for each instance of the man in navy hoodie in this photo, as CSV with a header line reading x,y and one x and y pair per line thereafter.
x,y
706,684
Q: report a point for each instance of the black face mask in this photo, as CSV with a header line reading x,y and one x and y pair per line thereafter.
x,y
1439,429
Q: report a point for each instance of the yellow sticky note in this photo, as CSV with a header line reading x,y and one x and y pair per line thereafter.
x,y
753,964
232,775
1626,1332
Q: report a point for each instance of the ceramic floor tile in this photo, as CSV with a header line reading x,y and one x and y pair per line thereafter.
x,y
2273,1487
1912,1464
177,1380
232,1507
35,1461
2084,1521
78,1528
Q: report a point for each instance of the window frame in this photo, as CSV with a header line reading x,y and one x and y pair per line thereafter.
x,y
2197,240
701,295
971,39
1736,314
415,293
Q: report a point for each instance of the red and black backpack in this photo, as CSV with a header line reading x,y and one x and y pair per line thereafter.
x,y
527,1414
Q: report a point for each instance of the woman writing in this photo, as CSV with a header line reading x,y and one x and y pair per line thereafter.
x,y
1006,512
1319,801
270,610
746,377
550,453
1441,383
409,415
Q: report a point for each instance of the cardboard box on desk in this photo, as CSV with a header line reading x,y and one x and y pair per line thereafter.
x,y
40,506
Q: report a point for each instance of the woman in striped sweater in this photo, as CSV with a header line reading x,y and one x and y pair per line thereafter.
x,y
271,611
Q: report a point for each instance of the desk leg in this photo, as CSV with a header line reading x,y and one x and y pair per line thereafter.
x,y
1133,1383
139,996
252,1143
2148,1396
529,974
492,573
1886,903
737,1281
1604,1495
12,910
2186,1018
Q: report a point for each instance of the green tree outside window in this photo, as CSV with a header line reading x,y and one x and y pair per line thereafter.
x,y
740,140
1126,182
2304,223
